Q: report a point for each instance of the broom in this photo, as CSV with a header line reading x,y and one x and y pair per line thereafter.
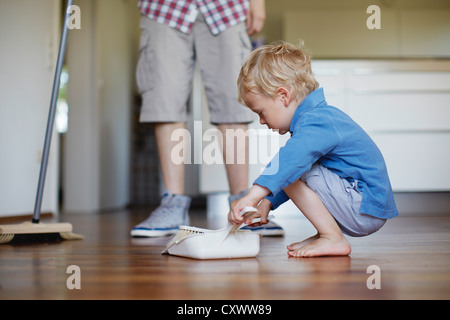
x,y
35,231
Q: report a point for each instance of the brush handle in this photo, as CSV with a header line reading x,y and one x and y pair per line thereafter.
x,y
51,116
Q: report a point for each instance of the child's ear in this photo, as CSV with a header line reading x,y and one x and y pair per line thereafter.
x,y
284,95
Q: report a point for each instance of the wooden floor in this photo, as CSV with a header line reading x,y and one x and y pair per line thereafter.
x,y
412,253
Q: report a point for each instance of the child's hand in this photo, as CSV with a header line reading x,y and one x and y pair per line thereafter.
x,y
234,216
252,199
263,208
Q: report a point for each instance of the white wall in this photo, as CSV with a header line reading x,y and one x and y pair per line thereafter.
x,y
29,37
101,63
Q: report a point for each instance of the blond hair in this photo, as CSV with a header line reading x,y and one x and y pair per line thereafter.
x,y
277,65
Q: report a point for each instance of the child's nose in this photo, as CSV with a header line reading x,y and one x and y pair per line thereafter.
x,y
261,120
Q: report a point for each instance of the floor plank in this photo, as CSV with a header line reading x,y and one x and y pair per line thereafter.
x,y
412,253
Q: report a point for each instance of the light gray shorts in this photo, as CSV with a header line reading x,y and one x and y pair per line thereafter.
x,y
343,200
166,64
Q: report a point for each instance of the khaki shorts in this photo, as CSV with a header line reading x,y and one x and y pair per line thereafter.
x,y
343,201
166,65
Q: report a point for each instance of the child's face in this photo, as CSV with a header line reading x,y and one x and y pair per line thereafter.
x,y
276,112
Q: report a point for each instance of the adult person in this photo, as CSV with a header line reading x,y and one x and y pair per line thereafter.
x,y
176,35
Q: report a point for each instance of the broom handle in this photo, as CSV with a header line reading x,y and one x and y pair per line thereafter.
x,y
51,116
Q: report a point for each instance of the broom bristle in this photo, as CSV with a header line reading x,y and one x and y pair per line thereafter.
x,y
38,237
35,238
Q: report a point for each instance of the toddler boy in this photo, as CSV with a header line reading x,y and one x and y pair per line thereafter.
x,y
330,168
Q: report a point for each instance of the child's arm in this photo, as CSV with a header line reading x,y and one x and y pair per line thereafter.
x,y
253,199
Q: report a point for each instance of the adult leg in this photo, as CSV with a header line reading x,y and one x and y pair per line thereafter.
x,y
172,170
164,77
220,59
173,210
235,155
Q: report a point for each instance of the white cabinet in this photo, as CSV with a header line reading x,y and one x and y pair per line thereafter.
x,y
404,105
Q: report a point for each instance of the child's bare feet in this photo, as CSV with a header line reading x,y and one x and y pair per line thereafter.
x,y
318,245
298,245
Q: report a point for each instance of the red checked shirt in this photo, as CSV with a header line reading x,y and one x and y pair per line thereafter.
x,y
181,14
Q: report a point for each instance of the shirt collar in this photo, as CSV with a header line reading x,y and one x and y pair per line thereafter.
x,y
312,100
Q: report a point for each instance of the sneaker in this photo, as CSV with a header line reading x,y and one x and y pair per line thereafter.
x,y
166,219
270,229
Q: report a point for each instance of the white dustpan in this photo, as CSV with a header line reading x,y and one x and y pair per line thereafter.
x,y
225,243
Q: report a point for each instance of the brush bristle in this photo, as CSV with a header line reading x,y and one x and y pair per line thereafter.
x,y
183,233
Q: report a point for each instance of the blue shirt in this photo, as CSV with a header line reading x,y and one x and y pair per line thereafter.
x,y
324,134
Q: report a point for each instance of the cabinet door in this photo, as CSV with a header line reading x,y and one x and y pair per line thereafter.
x,y
405,108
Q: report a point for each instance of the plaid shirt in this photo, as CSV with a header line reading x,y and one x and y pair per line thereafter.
x,y
181,14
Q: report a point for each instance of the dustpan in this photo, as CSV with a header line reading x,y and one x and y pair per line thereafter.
x,y
229,242
35,231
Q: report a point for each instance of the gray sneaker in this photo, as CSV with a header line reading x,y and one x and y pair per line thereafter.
x,y
270,229
165,219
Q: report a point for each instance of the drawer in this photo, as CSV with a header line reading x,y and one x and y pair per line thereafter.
x,y
416,161
365,81
401,111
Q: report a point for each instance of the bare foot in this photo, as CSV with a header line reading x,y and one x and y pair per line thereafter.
x,y
321,246
301,244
